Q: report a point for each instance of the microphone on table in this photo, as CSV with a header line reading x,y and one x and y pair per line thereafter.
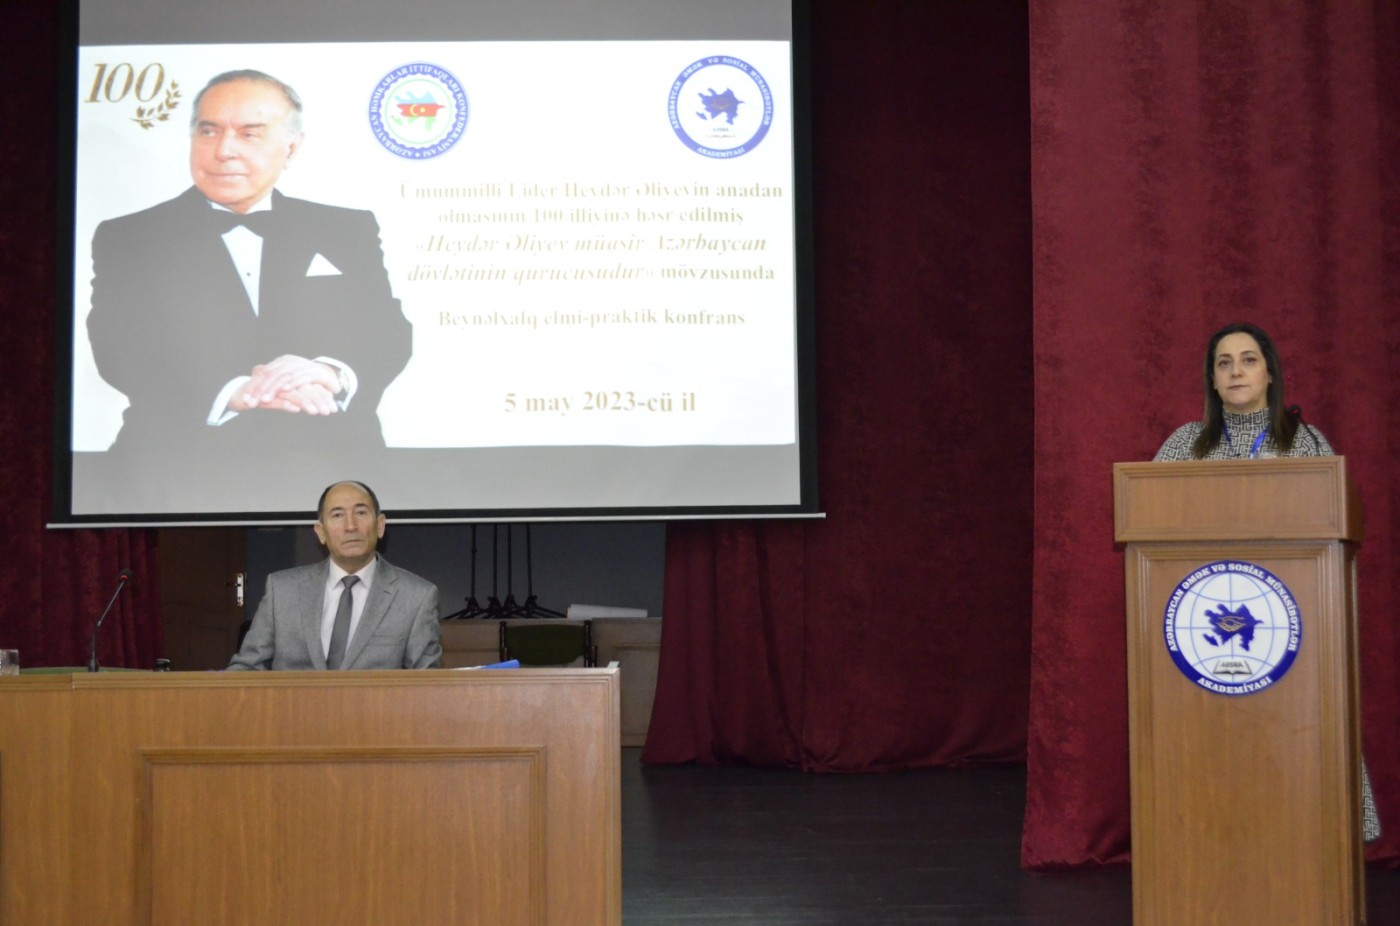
x,y
123,578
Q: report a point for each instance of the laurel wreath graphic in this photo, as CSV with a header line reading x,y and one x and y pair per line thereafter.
x,y
147,117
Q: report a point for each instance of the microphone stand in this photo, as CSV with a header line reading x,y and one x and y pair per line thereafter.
x,y
531,607
495,608
124,578
509,608
493,604
473,609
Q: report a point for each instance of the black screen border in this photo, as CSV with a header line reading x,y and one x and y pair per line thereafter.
x,y
805,346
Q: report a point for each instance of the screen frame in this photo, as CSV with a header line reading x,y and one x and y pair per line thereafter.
x,y
63,467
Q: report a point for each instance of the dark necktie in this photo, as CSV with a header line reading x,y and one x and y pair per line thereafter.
x,y
340,630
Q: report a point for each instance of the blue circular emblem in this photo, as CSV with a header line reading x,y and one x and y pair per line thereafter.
x,y
720,107
1232,627
418,111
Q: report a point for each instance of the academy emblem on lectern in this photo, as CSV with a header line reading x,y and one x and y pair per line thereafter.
x,y
1232,627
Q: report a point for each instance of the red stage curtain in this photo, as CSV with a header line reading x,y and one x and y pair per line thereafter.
x,y
53,584
1195,164
895,632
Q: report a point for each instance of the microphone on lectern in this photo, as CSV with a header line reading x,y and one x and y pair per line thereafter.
x,y
123,578
1296,413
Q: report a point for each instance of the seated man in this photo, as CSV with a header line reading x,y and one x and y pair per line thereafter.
x,y
352,610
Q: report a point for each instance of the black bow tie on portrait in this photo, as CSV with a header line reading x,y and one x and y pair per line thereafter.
x,y
259,223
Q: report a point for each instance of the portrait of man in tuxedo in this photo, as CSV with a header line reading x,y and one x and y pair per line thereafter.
x,y
352,610
237,320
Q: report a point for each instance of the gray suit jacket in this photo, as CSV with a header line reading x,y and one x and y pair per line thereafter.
x,y
398,629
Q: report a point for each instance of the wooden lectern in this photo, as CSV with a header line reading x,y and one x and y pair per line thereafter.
x,y
430,798
1246,807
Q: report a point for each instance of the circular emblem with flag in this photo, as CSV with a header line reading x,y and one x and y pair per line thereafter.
x,y
418,111
1232,627
720,107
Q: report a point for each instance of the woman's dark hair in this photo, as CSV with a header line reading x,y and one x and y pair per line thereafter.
x,y
1282,424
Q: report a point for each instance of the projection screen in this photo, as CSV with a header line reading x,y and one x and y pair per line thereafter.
x,y
525,260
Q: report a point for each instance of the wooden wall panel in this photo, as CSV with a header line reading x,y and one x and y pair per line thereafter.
x,y
375,860
35,737
445,797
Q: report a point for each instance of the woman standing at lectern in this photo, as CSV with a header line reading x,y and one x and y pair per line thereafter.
x,y
1245,419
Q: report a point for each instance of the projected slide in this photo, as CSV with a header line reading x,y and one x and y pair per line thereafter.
x,y
493,276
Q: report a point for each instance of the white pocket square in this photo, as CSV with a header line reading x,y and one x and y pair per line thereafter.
x,y
320,267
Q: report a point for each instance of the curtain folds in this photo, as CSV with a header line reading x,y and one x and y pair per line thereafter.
x,y
1195,164
53,584
894,632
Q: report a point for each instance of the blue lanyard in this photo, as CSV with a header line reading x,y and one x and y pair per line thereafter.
x,y
1258,441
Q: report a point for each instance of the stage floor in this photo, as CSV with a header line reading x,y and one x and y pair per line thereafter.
x,y
772,847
